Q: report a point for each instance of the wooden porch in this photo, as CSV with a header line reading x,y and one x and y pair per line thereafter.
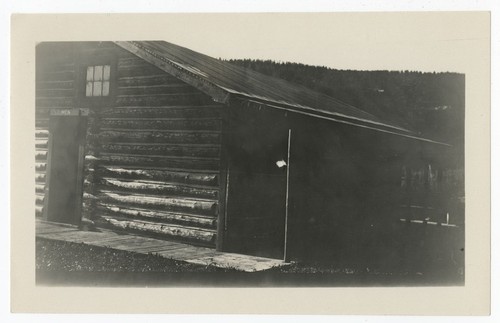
x,y
144,245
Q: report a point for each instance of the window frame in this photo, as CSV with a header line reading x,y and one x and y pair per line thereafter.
x,y
99,75
96,59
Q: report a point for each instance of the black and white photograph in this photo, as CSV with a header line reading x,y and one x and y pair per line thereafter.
x,y
151,157
253,151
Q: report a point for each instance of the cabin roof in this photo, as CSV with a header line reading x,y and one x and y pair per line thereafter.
x,y
223,80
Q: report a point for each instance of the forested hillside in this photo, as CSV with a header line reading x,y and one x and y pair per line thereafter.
x,y
431,104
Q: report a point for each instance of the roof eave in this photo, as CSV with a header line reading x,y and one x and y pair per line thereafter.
x,y
337,119
218,94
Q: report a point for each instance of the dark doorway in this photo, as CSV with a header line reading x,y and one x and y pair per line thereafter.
x,y
256,201
65,167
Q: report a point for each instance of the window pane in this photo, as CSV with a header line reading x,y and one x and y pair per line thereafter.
x,y
105,88
98,73
90,73
97,88
88,90
106,73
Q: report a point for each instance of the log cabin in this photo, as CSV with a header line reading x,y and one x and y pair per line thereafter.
x,y
156,139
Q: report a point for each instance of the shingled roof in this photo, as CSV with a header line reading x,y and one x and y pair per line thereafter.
x,y
223,80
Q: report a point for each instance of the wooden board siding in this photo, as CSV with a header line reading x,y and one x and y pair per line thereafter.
x,y
256,207
155,156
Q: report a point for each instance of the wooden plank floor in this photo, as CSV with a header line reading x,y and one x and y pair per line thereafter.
x,y
168,249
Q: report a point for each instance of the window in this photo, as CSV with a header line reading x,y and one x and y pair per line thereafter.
x,y
98,80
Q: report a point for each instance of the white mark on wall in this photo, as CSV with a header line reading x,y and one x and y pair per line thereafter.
x,y
280,163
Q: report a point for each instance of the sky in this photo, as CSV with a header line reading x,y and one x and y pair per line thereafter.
x,y
384,41
417,41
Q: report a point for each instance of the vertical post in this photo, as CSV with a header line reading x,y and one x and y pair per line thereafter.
x,y
82,131
223,182
226,199
45,214
285,256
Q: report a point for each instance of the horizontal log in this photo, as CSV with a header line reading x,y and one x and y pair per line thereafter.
x,y
149,80
39,188
159,175
57,63
38,210
42,123
90,159
203,111
61,61
39,199
158,89
42,85
41,155
159,161
186,137
50,69
169,203
88,186
55,92
41,143
138,70
89,196
87,203
164,217
124,54
55,102
183,232
42,112
126,60
40,167
158,188
167,99
166,124
199,151
66,75
39,134
61,54
40,178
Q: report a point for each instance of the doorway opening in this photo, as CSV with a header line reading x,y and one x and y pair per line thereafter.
x,y
67,129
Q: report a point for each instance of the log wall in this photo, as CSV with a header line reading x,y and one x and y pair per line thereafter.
x,y
55,77
152,155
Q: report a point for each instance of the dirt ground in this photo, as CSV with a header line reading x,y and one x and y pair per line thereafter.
x,y
66,263
54,255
